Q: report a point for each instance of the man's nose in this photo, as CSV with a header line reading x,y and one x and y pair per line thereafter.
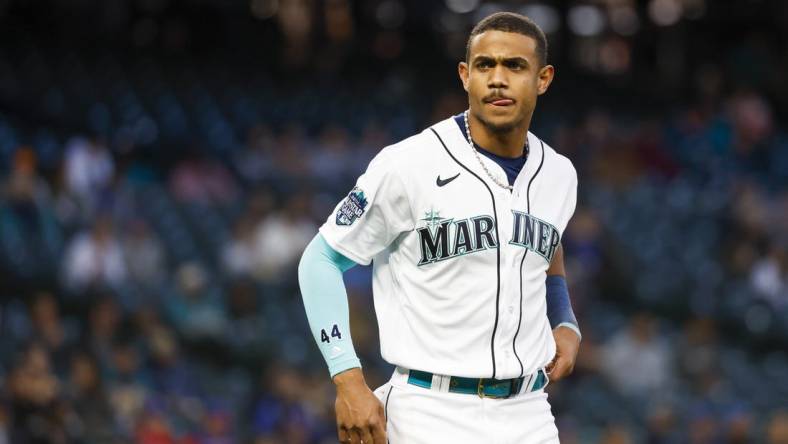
x,y
497,78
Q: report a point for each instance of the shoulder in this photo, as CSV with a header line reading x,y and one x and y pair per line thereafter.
x,y
402,150
557,163
414,149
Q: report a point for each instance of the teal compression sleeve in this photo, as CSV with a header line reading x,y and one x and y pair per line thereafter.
x,y
325,301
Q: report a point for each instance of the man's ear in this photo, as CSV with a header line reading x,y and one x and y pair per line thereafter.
x,y
546,75
462,70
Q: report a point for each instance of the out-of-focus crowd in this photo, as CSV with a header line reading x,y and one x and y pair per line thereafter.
x,y
154,305
163,164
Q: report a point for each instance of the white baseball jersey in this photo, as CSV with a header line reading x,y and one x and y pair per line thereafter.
x,y
459,263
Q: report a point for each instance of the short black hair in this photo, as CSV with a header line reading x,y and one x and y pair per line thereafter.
x,y
511,22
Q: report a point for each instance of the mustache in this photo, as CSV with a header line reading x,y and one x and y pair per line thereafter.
x,y
496,96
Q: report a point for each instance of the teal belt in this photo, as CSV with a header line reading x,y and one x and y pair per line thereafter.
x,y
484,387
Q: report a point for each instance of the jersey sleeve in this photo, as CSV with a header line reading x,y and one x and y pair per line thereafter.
x,y
373,214
570,202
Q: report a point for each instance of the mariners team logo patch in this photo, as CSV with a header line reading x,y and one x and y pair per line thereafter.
x,y
352,208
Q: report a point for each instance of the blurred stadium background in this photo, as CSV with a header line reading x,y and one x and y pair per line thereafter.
x,y
164,162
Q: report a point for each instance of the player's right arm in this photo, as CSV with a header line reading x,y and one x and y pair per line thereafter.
x,y
359,412
375,212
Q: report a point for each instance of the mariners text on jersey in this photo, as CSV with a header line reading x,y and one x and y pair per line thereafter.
x,y
446,239
459,263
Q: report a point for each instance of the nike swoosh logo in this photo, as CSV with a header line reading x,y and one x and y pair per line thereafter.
x,y
441,182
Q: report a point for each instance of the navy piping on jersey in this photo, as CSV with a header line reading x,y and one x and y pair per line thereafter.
x,y
511,166
497,250
522,261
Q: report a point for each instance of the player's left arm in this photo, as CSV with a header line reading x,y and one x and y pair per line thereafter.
x,y
562,319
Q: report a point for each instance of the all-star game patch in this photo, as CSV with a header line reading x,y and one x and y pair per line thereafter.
x,y
352,208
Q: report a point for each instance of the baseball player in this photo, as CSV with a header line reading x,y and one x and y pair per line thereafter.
x,y
462,223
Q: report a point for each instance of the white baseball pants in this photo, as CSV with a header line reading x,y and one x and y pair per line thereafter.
x,y
417,415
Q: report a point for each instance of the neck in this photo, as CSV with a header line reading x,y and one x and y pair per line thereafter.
x,y
508,143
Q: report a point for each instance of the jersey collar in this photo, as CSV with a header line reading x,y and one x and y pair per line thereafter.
x,y
457,145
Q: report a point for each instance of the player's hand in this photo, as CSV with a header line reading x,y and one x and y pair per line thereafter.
x,y
360,416
567,344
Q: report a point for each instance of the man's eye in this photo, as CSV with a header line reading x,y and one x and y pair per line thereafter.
x,y
484,65
514,66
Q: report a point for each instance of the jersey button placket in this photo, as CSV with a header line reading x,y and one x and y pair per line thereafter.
x,y
509,314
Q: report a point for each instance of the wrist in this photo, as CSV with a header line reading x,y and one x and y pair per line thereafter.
x,y
570,326
348,378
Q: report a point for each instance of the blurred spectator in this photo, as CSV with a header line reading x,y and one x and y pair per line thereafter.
x,y
698,351
144,255
289,155
661,426
616,434
296,19
650,145
751,209
170,374
104,323
94,259
282,236
637,361
703,425
238,254
752,121
35,397
777,428
279,411
216,428
769,276
739,425
89,400
26,192
246,329
128,386
332,159
194,310
89,170
255,163
583,255
30,230
50,332
154,429
202,180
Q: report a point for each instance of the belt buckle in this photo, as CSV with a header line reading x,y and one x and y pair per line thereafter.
x,y
480,391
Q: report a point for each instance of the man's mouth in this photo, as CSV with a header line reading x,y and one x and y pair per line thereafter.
x,y
499,101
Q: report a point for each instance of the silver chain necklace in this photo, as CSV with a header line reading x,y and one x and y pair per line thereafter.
x,y
505,186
